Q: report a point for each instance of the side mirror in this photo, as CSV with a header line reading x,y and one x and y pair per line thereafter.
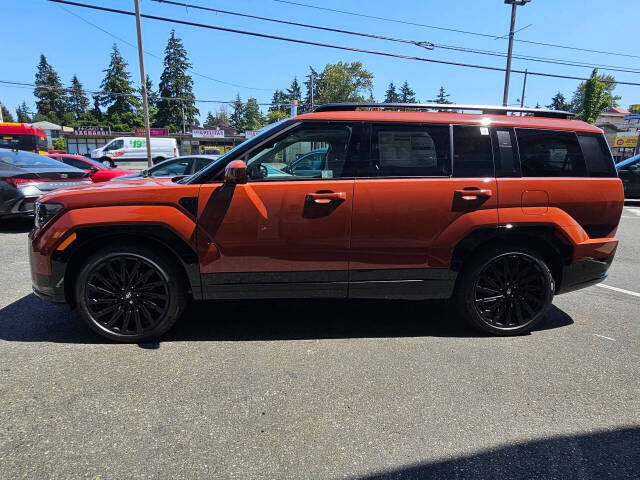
x,y
235,172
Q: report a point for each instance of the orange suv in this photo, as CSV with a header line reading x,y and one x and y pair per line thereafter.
x,y
495,210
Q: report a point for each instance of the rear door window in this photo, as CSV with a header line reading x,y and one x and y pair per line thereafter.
x,y
472,156
409,151
550,153
597,155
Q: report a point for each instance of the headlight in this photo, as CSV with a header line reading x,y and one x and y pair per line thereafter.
x,y
45,211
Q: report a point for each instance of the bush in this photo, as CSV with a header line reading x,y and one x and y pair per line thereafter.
x,y
59,144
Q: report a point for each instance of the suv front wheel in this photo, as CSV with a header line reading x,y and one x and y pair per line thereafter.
x,y
130,294
505,291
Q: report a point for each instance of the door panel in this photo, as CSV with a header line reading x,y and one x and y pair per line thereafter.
x,y
274,232
395,221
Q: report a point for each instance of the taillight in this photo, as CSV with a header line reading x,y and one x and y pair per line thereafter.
x,y
16,182
175,152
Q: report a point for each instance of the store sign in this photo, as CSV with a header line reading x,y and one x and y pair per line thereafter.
x,y
251,133
634,108
92,131
207,133
153,132
632,117
625,141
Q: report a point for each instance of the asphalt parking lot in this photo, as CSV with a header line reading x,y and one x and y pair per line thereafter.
x,y
323,389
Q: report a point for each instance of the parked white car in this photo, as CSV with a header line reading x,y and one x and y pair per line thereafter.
x,y
133,149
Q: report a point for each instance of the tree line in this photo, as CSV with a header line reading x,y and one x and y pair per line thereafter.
x,y
118,104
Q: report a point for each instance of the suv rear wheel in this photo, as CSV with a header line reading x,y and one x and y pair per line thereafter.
x,y
505,291
130,294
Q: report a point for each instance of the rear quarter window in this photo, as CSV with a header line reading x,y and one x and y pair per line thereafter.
x,y
597,155
550,153
472,155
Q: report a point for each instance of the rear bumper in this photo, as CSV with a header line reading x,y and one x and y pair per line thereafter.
x,y
583,274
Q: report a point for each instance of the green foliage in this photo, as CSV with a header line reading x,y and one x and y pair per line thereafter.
x,y
76,101
578,99
276,115
595,98
407,95
22,112
175,83
294,91
559,102
59,144
220,119
443,97
279,98
344,82
252,119
6,114
391,95
310,87
117,81
50,97
238,113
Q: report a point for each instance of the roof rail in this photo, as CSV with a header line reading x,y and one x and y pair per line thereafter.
x,y
485,109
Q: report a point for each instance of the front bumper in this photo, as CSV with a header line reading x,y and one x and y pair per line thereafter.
x,y
48,286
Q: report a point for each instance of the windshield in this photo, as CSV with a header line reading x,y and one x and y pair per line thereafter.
x,y
264,131
26,159
625,163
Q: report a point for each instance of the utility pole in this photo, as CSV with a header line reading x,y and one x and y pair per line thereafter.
x,y
524,86
514,4
1,120
184,125
143,82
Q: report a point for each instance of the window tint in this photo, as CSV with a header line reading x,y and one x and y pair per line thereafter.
x,y
409,151
74,162
548,153
505,153
276,160
472,155
597,155
199,164
170,169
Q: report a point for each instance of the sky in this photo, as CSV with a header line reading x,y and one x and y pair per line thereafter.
x,y
255,67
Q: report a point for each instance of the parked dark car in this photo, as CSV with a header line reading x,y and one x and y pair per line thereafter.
x,y
629,173
25,176
187,165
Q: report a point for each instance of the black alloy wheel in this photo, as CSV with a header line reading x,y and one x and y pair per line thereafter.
x,y
130,294
506,292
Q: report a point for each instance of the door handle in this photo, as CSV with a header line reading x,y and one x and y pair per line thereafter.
x,y
325,197
471,193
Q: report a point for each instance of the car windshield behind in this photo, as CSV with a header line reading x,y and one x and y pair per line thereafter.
x,y
27,160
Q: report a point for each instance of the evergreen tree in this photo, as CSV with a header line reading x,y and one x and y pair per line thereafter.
x,y
6,114
294,92
252,119
121,107
559,102
279,98
443,97
22,112
50,98
152,97
391,95
175,83
77,101
236,118
210,121
407,95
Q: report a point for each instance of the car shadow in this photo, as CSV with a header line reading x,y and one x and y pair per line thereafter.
x,y
609,454
30,319
16,225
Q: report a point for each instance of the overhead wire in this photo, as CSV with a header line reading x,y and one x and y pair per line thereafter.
x,y
328,45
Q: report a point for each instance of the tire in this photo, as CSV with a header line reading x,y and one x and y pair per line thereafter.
x,y
130,294
108,162
505,291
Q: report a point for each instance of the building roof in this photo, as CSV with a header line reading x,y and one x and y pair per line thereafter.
x,y
619,110
46,125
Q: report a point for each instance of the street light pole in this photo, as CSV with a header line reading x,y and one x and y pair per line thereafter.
x,y
143,82
514,4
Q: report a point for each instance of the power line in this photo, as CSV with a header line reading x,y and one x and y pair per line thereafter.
x,y
151,54
424,44
329,45
419,43
405,22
